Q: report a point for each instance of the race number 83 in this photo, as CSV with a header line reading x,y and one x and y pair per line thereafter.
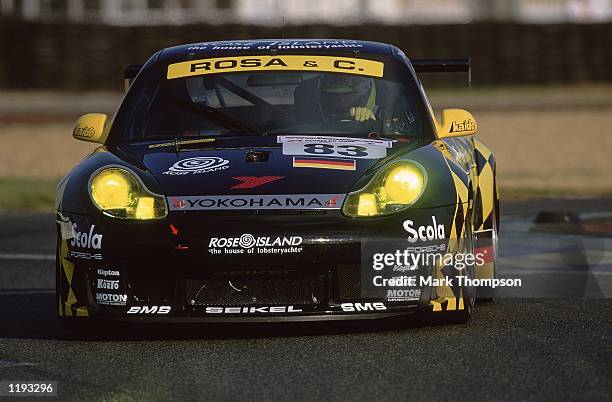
x,y
354,151
364,151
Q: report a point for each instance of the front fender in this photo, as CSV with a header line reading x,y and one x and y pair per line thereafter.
x,y
73,190
486,194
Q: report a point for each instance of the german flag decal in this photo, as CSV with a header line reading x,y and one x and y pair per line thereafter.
x,y
324,163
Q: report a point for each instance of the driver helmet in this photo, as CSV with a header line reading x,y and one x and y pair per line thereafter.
x,y
338,93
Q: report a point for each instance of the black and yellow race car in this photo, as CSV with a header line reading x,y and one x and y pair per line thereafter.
x,y
277,180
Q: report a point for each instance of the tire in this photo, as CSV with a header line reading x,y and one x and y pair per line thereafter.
x,y
469,295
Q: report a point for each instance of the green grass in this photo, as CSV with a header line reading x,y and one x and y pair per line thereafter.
x,y
25,194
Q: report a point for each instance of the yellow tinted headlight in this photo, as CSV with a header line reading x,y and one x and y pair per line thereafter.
x,y
118,192
395,188
112,189
145,209
403,184
367,205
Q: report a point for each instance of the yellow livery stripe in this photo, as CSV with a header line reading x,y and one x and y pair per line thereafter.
x,y
436,305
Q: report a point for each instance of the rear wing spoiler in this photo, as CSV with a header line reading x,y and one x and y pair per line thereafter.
x,y
444,66
130,72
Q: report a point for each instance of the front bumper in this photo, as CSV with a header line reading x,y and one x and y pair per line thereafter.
x,y
167,270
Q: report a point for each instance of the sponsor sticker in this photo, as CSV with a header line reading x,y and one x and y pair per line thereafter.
x,y
249,244
86,240
334,64
324,139
83,132
252,310
277,45
459,127
109,290
85,255
111,299
402,295
434,231
253,202
108,284
254,181
149,310
324,163
197,165
107,272
359,307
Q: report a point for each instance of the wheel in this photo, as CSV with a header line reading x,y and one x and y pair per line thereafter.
x,y
468,293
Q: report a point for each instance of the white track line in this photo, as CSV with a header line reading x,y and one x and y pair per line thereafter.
x,y
4,363
46,257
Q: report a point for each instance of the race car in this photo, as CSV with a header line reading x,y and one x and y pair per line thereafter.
x,y
277,180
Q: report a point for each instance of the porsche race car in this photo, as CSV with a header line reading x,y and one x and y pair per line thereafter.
x,y
277,180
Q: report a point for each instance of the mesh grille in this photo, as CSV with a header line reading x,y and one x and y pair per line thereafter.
x,y
349,282
256,291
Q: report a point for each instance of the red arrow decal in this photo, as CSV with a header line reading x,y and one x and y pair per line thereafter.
x,y
173,230
254,181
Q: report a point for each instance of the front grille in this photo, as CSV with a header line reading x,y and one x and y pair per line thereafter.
x,y
292,290
348,279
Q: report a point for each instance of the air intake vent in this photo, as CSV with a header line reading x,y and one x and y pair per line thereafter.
x,y
256,291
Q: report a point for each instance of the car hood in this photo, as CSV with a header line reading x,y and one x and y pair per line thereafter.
x,y
258,166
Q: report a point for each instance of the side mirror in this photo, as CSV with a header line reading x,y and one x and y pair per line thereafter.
x,y
90,128
456,122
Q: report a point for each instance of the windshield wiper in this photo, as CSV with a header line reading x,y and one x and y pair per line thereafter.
x,y
178,143
219,118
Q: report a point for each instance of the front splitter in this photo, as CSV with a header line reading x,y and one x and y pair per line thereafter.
x,y
211,318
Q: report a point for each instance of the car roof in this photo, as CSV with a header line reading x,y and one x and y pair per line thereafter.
x,y
273,46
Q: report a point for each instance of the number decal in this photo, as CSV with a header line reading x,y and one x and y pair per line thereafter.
x,y
319,149
334,150
353,150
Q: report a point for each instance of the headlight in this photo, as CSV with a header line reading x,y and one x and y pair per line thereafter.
x,y
119,193
395,188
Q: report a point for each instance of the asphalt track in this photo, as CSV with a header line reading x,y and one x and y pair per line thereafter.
x,y
549,348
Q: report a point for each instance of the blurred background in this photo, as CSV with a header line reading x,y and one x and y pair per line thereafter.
x,y
541,81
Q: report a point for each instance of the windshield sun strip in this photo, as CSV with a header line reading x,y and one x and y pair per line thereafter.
x,y
332,64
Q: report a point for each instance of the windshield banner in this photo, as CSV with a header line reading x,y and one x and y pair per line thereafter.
x,y
333,64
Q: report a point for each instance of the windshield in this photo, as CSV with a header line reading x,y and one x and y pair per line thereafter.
x,y
201,99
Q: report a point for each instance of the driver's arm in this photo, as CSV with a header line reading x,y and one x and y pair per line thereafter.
x,y
362,114
365,113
